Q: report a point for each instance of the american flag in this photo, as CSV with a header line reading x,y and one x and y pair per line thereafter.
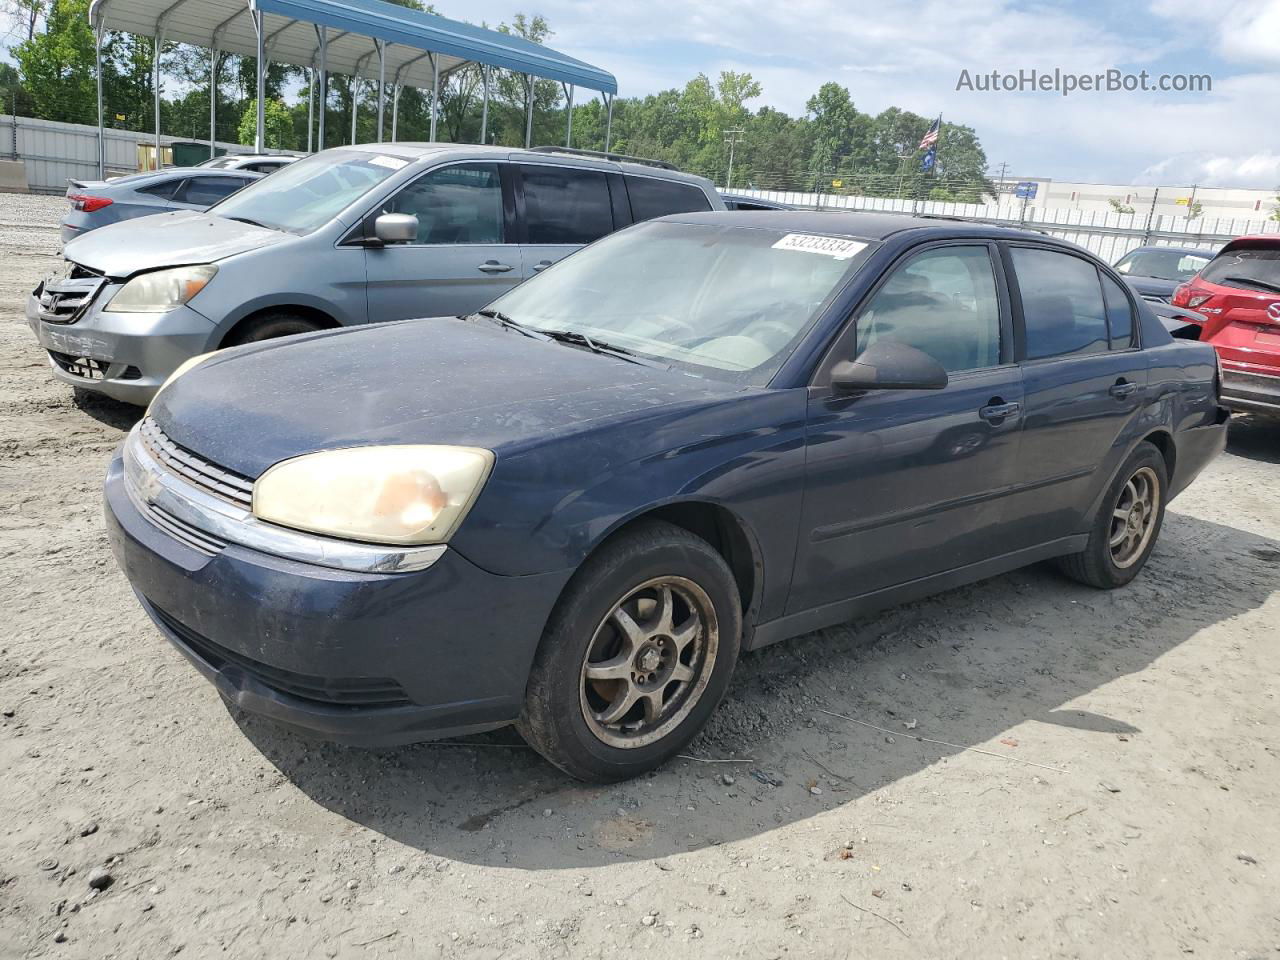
x,y
931,137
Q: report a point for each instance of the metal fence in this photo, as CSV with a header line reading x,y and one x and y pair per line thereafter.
x,y
1109,235
55,152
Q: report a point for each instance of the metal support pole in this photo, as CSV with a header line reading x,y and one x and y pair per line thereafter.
x,y
155,85
484,110
382,84
395,112
322,34
608,125
568,134
213,103
102,134
528,118
311,106
435,95
260,137
355,104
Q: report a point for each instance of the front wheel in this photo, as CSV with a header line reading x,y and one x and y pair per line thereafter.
x,y
1127,525
636,656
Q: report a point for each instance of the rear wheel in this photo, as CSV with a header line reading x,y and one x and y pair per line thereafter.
x,y
268,326
1127,525
636,656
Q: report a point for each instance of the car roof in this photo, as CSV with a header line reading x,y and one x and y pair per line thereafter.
x,y
860,226
1252,240
419,150
1198,251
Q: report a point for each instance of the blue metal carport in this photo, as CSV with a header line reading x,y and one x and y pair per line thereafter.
x,y
363,38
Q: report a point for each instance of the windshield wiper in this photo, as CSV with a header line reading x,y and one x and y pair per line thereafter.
x,y
1272,287
500,318
579,338
252,223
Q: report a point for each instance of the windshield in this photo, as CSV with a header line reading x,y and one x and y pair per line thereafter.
x,y
303,196
725,302
1162,264
216,164
1253,268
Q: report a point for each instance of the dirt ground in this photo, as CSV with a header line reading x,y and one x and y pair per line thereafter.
x,y
1107,786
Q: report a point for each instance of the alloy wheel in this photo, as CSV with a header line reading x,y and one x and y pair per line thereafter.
x,y
1133,519
649,662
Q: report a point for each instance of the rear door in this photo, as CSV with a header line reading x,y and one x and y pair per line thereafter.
x,y
464,255
563,208
903,484
1085,382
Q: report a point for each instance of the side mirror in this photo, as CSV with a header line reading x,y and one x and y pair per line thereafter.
x,y
396,228
887,365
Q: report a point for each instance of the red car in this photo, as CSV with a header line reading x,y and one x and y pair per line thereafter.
x,y
1239,295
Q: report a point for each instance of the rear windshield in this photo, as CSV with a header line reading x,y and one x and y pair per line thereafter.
x,y
1250,268
1162,264
304,196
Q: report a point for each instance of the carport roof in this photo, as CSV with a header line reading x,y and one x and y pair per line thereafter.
x,y
353,26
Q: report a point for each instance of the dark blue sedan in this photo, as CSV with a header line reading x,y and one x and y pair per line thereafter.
x,y
573,510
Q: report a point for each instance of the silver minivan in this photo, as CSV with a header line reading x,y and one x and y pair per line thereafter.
x,y
349,236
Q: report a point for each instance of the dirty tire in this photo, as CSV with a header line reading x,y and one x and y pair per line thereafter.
x,y
271,325
1096,565
554,719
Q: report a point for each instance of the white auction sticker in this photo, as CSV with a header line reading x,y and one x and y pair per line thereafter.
x,y
837,247
391,163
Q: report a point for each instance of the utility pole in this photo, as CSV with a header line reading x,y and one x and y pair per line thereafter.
x,y
733,139
1000,181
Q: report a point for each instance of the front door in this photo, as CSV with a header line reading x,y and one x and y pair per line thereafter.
x,y
462,258
904,484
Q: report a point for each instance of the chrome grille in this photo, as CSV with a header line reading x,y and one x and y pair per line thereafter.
x,y
195,470
64,299
194,538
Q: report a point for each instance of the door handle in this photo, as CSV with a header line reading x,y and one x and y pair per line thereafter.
x,y
493,266
997,412
541,265
1122,388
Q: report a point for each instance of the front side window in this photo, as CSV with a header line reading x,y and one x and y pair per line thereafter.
x,y
723,302
460,204
1119,314
304,196
651,197
566,206
1062,304
942,301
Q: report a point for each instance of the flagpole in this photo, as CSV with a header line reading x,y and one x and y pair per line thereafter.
x,y
937,144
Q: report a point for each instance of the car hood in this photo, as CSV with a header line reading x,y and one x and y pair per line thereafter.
x,y
1152,286
119,250
438,380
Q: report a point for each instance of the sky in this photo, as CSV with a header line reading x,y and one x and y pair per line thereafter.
x,y
910,54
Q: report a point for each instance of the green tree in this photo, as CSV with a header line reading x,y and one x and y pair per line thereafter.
x,y
278,132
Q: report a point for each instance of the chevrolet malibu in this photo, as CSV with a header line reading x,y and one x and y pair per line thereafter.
x,y
575,509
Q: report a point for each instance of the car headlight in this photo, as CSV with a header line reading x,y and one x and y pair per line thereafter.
x,y
395,494
162,290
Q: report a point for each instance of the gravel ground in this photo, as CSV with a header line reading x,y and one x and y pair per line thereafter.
x,y
1107,784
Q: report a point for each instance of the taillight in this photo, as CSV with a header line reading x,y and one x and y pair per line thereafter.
x,y
87,204
1183,297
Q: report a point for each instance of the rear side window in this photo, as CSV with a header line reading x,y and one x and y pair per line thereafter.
x,y
206,191
1252,268
164,190
565,206
1062,303
1119,313
651,197
454,205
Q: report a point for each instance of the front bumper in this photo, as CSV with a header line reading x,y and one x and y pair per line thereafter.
x,y
1251,392
372,659
131,354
